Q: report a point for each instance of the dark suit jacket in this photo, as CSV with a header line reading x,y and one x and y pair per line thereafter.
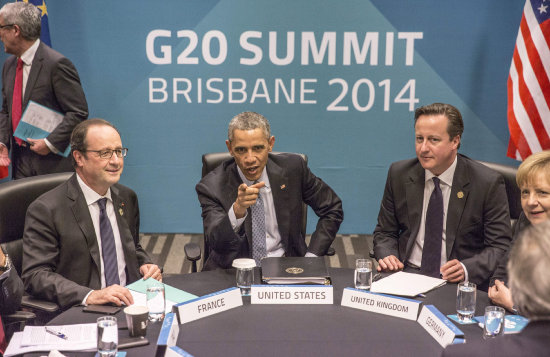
x,y
501,273
61,260
11,291
292,182
532,341
53,82
478,223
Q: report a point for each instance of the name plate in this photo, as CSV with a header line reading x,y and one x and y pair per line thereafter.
x,y
168,335
207,305
439,326
291,294
380,303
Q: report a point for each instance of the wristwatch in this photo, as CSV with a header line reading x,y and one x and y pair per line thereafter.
x,y
7,264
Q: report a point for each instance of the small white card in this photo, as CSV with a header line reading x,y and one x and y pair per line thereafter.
x,y
169,331
175,351
291,294
207,305
380,303
438,326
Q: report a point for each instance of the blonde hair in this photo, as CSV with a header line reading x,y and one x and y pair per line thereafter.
x,y
534,164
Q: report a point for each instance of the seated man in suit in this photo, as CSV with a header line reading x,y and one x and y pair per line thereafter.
x,y
81,239
530,288
11,291
442,214
252,204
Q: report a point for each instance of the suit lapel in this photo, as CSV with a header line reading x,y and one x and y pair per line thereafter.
x,y
414,188
279,191
35,72
82,217
457,201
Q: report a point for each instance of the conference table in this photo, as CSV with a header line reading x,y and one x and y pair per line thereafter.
x,y
293,330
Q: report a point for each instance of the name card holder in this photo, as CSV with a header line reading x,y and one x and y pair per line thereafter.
x,y
207,305
439,326
380,303
292,294
168,335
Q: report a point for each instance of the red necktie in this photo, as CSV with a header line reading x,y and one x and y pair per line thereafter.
x,y
16,103
3,342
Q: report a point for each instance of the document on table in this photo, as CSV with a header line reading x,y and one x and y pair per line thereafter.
x,y
406,284
173,295
80,337
37,122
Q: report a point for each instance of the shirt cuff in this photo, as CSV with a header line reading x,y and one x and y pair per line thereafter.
x,y
236,223
51,147
465,272
86,298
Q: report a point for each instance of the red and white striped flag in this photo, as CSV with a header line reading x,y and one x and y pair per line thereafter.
x,y
529,83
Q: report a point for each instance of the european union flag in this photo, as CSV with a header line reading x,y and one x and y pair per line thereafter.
x,y
45,31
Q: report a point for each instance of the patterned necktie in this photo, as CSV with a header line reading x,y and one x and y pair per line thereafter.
x,y
16,104
433,234
108,249
258,230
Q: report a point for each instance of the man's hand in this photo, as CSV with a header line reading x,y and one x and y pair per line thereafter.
x,y
150,271
39,146
115,294
4,156
500,295
246,197
390,263
452,271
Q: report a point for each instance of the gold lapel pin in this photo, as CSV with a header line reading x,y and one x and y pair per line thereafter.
x,y
460,194
283,186
121,211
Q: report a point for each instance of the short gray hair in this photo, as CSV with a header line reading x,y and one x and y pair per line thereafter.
x,y
248,121
528,269
26,16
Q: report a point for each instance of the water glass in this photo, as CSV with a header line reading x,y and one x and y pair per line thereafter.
x,y
466,301
107,336
363,274
494,322
245,274
156,302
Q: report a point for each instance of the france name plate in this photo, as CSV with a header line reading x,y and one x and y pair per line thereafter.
x,y
380,303
291,294
438,326
208,305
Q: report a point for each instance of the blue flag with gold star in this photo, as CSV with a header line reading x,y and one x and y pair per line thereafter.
x,y
45,30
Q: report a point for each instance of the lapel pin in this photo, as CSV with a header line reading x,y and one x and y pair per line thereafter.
x,y
460,194
121,209
283,186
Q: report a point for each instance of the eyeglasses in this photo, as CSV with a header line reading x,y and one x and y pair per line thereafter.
x,y
108,153
4,26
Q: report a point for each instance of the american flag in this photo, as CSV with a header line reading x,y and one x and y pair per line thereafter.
x,y
529,83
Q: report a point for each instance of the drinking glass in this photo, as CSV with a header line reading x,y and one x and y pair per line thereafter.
x,y
363,274
107,336
156,302
494,322
466,301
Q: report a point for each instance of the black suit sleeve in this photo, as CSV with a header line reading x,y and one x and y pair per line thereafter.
x,y
326,205
11,291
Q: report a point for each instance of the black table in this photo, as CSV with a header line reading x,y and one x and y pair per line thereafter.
x,y
294,330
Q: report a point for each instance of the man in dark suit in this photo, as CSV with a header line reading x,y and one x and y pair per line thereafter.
x,y
44,76
279,183
81,239
464,234
530,288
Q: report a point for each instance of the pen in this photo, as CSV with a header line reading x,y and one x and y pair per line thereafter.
x,y
55,333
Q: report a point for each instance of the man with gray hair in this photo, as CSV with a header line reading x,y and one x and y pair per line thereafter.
x,y
252,203
530,288
38,73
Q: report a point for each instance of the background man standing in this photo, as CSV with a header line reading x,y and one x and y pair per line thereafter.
x,y
81,239
38,73
442,214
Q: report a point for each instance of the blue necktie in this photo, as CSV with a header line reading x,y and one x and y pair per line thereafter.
x,y
433,234
258,230
108,249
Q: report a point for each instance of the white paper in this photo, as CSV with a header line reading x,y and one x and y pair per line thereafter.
x,y
15,348
406,284
41,117
37,335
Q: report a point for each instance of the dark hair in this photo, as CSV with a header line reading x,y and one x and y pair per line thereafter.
x,y
78,136
455,126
